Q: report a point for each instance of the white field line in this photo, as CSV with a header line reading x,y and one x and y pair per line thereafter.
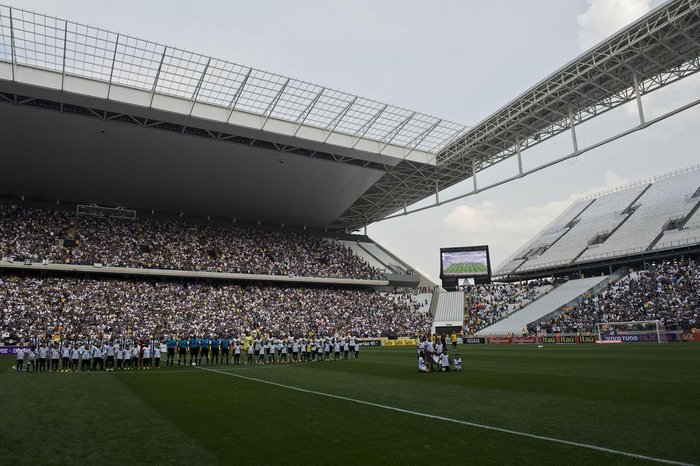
x,y
455,421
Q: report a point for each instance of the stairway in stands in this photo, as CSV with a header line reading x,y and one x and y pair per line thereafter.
x,y
546,304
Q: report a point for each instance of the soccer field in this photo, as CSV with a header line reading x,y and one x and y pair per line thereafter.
x,y
466,267
560,404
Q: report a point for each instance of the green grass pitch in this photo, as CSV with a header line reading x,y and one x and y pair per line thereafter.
x,y
643,400
466,267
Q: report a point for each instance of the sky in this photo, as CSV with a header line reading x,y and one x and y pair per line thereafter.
x,y
459,60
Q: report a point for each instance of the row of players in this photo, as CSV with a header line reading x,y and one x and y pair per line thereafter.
x,y
88,356
261,351
100,356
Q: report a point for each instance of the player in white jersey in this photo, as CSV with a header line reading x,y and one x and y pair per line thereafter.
x,y
357,350
84,357
97,358
421,365
119,356
260,351
109,351
32,360
283,352
74,357
65,358
135,356
127,358
457,362
236,352
295,351
55,356
346,349
43,353
146,357
429,351
156,355
327,351
444,362
336,350
20,358
250,352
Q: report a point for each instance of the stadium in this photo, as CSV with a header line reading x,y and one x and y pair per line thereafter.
x,y
187,273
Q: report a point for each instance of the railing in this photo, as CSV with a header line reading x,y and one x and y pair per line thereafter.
x,y
640,182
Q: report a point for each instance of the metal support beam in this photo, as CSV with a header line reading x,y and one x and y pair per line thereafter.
x,y
396,131
307,111
155,81
519,156
63,67
111,70
368,125
237,95
336,121
474,174
195,94
12,45
638,97
271,108
574,141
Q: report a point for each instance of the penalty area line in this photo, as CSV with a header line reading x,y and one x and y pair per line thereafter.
x,y
452,420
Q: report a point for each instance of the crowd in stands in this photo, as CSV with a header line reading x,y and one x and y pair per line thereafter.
x,y
487,304
38,235
668,291
81,308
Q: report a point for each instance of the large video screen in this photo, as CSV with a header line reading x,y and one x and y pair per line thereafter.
x,y
465,262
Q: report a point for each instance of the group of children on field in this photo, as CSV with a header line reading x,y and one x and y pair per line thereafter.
x,y
434,353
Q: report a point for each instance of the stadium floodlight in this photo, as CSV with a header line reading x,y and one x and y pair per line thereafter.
x,y
637,331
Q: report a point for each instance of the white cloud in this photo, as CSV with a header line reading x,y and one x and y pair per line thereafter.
x,y
605,17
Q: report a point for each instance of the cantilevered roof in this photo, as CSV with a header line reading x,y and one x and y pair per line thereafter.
x,y
386,158
173,79
658,49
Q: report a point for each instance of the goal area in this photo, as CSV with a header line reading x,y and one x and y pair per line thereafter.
x,y
637,331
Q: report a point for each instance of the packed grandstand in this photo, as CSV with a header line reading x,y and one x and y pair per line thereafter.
x,y
338,162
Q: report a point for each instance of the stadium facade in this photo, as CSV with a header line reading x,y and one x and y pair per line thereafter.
x,y
96,117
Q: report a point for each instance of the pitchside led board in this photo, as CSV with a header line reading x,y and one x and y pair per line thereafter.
x,y
464,262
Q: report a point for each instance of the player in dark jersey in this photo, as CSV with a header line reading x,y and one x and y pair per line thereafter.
x,y
194,349
225,349
214,351
203,350
182,351
170,345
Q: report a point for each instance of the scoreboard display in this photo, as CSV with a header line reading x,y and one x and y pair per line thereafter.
x,y
465,262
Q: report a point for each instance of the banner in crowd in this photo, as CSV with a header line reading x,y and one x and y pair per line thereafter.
x,y
567,339
523,340
370,341
642,337
499,340
473,341
510,340
401,342
4,350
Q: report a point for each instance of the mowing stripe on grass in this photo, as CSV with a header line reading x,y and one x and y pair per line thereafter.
x,y
456,421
